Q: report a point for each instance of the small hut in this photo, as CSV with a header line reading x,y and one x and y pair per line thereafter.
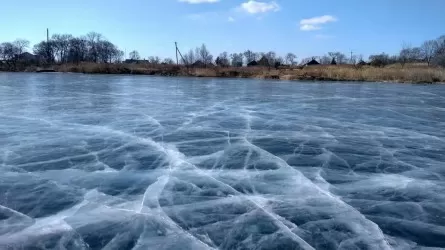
x,y
313,62
333,62
263,62
199,64
252,63
362,63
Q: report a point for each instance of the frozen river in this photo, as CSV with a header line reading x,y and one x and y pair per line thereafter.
x,y
136,162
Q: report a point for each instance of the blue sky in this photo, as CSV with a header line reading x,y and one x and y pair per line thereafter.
x,y
305,28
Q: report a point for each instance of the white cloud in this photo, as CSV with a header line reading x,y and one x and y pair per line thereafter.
x,y
198,1
309,27
254,7
319,20
231,19
315,23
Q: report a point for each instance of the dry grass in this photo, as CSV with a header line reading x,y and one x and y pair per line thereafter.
x,y
368,73
392,73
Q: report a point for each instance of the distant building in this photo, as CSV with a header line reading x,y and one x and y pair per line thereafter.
x,y
313,62
133,61
263,62
198,64
252,63
201,64
362,63
29,58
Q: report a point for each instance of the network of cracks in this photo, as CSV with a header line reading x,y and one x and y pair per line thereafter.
x,y
221,179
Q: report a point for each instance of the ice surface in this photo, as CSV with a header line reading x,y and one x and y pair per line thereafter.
x,y
117,162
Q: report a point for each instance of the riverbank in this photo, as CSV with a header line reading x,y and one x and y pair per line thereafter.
x,y
391,73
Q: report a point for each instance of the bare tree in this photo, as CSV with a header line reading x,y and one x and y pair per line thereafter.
x,y
341,58
271,57
204,55
237,59
441,45
250,56
118,56
405,54
428,50
439,55
306,60
78,50
290,58
189,58
353,60
45,50
106,51
223,60
380,60
134,55
9,51
154,60
93,39
168,61
325,60
21,45
61,44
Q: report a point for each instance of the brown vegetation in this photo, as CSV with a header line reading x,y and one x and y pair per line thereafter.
x,y
412,73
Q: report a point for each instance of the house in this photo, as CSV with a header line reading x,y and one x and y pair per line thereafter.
x,y
28,58
198,64
252,63
313,62
263,62
362,63
201,64
134,61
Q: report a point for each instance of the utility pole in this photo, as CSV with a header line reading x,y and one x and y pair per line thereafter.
x,y
351,56
176,46
179,52
48,53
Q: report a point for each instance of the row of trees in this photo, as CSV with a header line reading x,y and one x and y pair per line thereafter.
x,y
431,52
63,48
203,55
9,50
135,57
334,58
94,47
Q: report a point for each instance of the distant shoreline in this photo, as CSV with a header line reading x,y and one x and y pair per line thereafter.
x,y
392,73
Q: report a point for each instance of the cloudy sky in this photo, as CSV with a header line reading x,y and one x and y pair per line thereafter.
x,y
305,28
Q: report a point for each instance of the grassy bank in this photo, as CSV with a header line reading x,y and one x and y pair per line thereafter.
x,y
414,73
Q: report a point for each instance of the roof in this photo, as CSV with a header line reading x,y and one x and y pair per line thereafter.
x,y
263,61
253,63
135,61
198,63
313,62
27,56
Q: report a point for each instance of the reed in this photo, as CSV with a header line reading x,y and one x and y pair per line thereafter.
x,y
392,73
